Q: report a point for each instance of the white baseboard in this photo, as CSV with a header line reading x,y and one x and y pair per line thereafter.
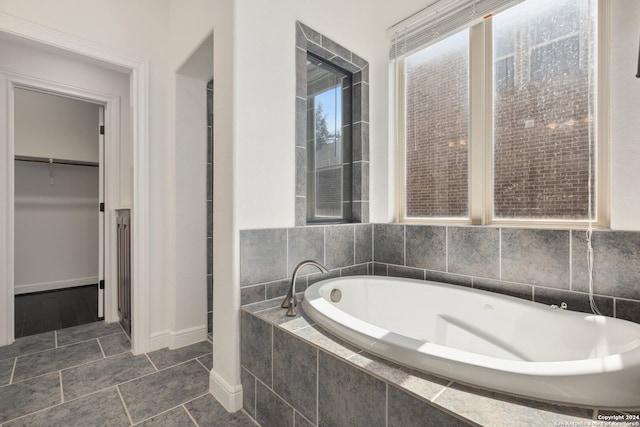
x,y
50,286
230,397
187,336
177,339
157,341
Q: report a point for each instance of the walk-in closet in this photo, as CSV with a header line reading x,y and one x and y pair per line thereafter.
x,y
57,220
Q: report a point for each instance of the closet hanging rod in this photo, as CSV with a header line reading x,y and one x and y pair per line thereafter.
x,y
56,161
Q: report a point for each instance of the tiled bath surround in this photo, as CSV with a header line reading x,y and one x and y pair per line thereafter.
x,y
292,371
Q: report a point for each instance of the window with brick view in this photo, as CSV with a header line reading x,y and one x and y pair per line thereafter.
x,y
542,88
544,121
437,129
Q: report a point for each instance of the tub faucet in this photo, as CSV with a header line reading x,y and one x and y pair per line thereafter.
x,y
290,300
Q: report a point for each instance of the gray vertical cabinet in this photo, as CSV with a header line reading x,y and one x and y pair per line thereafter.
x,y
123,221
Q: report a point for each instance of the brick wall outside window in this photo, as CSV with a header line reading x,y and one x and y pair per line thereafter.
x,y
542,129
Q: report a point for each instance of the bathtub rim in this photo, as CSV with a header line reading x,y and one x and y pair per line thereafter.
x,y
313,304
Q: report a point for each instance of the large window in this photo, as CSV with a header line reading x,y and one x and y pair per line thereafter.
x,y
328,142
514,141
437,130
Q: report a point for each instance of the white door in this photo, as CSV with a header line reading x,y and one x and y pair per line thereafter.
x,y
101,213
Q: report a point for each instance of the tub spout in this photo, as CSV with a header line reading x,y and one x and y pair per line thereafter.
x,y
290,301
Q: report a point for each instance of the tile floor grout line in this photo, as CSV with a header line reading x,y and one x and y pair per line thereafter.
x,y
61,389
63,369
104,356
89,339
90,362
126,410
31,378
98,360
196,398
34,412
172,408
57,404
180,363
121,328
144,420
13,371
151,361
202,363
146,375
190,416
97,391
254,421
56,346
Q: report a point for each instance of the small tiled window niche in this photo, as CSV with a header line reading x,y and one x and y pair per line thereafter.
x,y
308,40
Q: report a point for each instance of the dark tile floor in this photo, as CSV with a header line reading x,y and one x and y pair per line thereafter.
x,y
47,311
87,376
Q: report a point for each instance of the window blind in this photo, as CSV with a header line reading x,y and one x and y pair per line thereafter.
x,y
438,20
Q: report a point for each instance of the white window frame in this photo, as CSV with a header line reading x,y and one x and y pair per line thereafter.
x,y
481,183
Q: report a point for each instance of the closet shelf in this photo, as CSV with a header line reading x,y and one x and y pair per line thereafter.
x,y
56,161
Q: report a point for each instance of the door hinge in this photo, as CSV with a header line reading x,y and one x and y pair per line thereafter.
x,y
101,285
101,206
101,129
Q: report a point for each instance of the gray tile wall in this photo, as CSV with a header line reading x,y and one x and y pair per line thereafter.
x,y
309,40
269,256
544,265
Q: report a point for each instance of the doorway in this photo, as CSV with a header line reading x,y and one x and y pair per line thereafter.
x,y
58,211
46,59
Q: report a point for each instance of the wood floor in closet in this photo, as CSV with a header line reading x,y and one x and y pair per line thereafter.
x,y
51,310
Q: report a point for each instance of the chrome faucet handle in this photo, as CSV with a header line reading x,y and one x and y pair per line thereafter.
x,y
290,301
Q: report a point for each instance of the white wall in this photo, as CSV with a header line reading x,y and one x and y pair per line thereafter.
x,y
52,126
164,33
624,113
190,57
139,29
28,59
56,226
189,300
265,96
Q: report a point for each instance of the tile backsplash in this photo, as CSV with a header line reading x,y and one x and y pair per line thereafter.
x,y
269,256
544,265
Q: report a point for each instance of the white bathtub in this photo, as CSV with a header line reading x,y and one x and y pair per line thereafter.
x,y
485,339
